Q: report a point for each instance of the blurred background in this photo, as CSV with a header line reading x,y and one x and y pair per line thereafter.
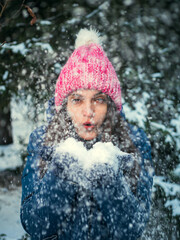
x,y
142,40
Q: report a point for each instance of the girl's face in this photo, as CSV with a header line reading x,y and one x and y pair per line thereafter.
x,y
87,109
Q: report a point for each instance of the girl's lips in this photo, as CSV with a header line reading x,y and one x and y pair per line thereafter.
x,y
88,125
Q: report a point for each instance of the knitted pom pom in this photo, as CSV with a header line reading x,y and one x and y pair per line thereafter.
x,y
86,37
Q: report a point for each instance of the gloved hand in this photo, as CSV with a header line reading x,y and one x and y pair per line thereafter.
x,y
67,167
88,168
101,174
130,166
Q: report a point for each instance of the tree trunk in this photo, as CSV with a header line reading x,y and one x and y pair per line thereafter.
x,y
5,123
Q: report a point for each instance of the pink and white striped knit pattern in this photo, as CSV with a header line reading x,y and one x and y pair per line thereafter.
x,y
88,68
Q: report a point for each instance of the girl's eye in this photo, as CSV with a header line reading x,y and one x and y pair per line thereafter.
x,y
100,100
75,100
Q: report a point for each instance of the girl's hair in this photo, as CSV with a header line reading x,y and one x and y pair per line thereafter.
x,y
114,129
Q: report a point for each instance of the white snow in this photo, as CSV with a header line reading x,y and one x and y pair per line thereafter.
x,y
175,206
10,214
128,2
139,115
45,46
177,170
57,68
16,48
158,125
100,153
171,190
10,155
173,131
45,22
176,123
156,75
5,75
22,48
2,88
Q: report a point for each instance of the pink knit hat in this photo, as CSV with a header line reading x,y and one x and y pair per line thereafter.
x,y
88,68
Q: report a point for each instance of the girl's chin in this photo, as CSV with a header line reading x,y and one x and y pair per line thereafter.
x,y
87,135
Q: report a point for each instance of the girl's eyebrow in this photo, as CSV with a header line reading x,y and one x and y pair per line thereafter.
x,y
100,94
75,95
95,95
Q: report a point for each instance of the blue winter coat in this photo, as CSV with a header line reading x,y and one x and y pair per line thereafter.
x,y
55,207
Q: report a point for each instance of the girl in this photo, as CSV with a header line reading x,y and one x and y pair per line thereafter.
x,y
88,173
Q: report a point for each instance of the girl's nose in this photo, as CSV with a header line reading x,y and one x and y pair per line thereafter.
x,y
88,110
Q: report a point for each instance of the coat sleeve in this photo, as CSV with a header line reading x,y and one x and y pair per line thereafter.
x,y
48,201
124,212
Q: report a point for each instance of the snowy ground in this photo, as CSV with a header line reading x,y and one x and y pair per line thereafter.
x,y
10,212
10,226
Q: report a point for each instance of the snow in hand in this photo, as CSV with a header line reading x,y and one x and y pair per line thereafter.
x,y
99,154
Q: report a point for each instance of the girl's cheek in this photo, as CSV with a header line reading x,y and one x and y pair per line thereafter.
x,y
71,113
